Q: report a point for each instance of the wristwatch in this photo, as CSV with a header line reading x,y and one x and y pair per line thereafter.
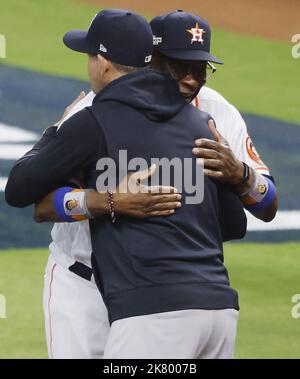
x,y
246,174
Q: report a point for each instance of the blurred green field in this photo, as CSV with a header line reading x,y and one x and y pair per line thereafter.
x,y
266,276
259,76
21,282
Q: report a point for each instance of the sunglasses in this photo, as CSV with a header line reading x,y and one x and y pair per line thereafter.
x,y
201,71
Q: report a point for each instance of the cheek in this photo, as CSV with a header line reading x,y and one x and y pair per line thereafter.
x,y
89,68
92,68
190,85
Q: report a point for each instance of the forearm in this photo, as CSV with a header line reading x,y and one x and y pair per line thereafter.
x,y
269,213
265,213
46,209
69,204
97,204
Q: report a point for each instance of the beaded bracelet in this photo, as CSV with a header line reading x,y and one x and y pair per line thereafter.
x,y
111,206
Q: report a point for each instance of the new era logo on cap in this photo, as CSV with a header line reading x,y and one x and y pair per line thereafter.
x,y
103,48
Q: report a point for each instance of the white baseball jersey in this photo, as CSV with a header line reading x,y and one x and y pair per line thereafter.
x,y
71,241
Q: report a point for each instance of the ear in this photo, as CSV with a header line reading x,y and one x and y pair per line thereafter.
x,y
103,64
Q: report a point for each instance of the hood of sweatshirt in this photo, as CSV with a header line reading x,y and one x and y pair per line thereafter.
x,y
154,94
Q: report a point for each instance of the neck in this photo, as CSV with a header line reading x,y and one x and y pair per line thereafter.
x,y
116,75
110,78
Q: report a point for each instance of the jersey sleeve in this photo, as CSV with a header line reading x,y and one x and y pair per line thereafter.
x,y
243,144
232,127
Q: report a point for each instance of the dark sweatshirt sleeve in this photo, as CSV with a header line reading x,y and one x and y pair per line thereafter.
x,y
232,217
47,136
54,159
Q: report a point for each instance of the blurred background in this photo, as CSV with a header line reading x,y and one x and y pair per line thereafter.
x,y
39,77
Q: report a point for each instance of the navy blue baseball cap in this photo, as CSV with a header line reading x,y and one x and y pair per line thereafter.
x,y
120,36
182,35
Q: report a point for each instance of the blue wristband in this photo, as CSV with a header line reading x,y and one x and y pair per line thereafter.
x,y
267,200
58,201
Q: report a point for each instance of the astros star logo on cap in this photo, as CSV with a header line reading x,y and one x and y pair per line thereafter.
x,y
197,34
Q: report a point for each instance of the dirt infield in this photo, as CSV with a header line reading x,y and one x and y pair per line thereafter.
x,y
275,19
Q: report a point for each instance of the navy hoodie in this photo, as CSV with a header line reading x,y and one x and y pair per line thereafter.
x,y
158,264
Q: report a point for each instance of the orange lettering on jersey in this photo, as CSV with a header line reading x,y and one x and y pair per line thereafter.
x,y
253,154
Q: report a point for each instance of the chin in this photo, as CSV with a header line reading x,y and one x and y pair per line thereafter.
x,y
191,97
196,93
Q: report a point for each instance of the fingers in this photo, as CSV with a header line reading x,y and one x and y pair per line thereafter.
x,y
156,190
78,98
205,153
166,198
218,142
214,164
210,166
69,108
152,170
167,206
159,209
161,213
144,174
213,130
75,102
213,174
208,144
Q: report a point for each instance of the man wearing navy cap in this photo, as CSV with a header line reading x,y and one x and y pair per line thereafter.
x,y
182,48
183,290
183,36
110,35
